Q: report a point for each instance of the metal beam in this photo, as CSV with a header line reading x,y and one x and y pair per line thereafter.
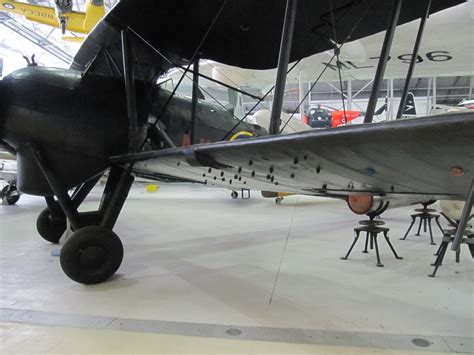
x,y
349,95
428,96
471,85
301,96
283,59
384,55
414,58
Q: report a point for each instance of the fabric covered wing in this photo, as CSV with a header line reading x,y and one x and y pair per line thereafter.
x,y
419,156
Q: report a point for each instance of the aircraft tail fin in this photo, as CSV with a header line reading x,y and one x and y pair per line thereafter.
x,y
236,102
410,108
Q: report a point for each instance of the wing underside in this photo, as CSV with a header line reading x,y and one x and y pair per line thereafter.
x,y
427,156
240,33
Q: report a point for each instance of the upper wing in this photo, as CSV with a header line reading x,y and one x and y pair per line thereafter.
x,y
427,156
245,34
447,49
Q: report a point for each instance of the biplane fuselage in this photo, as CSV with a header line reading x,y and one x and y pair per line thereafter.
x,y
56,109
68,126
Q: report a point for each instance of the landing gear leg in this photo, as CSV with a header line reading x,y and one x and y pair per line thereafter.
x,y
93,253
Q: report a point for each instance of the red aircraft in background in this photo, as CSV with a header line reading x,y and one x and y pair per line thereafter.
x,y
325,117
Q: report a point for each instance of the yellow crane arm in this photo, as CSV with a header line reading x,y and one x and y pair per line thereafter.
x,y
36,13
79,22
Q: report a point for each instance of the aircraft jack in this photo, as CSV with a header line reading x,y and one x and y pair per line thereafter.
x,y
425,215
449,235
372,228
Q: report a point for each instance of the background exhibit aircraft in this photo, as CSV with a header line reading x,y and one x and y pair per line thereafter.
x,y
446,50
61,15
68,126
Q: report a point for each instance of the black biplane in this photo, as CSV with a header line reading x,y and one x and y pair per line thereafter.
x,y
67,127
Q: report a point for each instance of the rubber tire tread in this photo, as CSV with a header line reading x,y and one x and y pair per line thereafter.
x,y
87,237
50,229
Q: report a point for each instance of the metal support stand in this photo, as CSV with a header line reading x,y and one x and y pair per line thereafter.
x,y
194,99
372,228
384,55
467,238
465,216
425,215
283,59
414,58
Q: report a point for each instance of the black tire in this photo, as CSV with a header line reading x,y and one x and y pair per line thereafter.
x,y
11,195
91,255
234,194
51,226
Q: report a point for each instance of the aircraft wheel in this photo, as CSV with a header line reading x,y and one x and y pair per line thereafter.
x,y
51,226
10,194
278,200
234,194
91,255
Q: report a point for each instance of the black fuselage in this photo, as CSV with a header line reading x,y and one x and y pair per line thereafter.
x,y
78,123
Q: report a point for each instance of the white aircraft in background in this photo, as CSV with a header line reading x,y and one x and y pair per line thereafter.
x,y
9,194
446,50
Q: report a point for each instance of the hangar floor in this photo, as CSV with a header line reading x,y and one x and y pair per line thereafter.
x,y
199,273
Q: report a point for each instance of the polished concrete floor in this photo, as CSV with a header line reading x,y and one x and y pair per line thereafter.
x,y
194,258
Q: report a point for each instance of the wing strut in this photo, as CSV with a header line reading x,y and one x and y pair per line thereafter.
x,y
466,214
194,99
384,55
130,91
283,59
413,61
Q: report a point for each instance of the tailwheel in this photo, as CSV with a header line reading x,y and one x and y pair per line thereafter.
x,y
51,224
91,255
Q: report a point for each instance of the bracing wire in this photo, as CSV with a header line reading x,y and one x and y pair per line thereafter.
x,y
277,276
325,68
337,51
191,61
